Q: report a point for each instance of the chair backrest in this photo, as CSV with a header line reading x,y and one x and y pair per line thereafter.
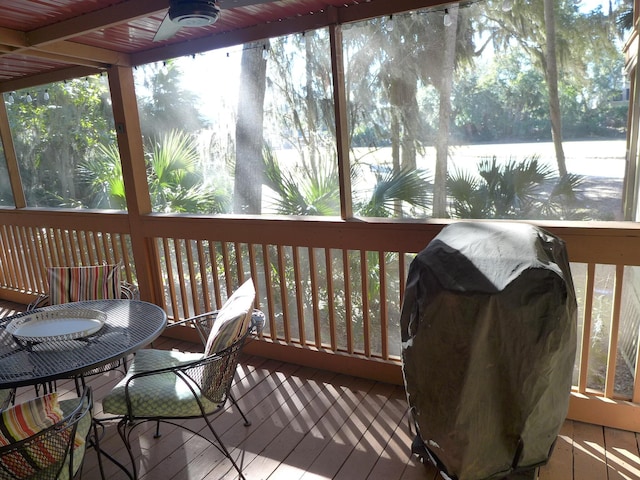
x,y
45,454
214,374
71,284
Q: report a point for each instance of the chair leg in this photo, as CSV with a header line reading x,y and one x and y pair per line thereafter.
x,y
223,448
247,422
122,430
80,384
47,387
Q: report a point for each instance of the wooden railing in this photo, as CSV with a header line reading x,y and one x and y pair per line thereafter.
x,y
331,289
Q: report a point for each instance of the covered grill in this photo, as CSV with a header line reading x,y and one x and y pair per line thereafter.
x,y
488,347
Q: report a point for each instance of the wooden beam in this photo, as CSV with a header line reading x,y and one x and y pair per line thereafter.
x,y
58,75
62,58
341,118
100,19
81,53
134,175
12,38
10,157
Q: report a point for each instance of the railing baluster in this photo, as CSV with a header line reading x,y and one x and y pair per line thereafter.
x,y
313,277
101,247
366,318
331,310
15,255
283,293
226,267
195,298
94,252
613,334
169,278
348,310
34,253
384,324
298,288
178,251
215,273
17,247
239,263
586,331
206,292
266,259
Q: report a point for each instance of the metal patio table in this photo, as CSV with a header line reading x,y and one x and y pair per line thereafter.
x,y
129,326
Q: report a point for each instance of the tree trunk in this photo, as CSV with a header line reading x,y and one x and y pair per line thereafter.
x,y
395,149
249,168
442,141
551,75
312,110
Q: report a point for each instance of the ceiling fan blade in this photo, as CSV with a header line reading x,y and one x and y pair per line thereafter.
x,y
167,29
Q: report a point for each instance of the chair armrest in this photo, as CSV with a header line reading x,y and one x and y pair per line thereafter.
x,y
202,323
41,301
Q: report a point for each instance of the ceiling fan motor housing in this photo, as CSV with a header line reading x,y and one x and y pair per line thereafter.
x,y
193,13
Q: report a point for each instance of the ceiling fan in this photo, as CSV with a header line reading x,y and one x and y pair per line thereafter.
x,y
194,13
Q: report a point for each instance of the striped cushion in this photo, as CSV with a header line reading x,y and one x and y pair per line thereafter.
x,y
233,319
74,284
22,421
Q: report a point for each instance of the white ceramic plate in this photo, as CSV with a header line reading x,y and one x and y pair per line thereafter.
x,y
50,325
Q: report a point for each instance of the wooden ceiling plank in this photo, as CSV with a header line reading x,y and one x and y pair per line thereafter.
x,y
97,20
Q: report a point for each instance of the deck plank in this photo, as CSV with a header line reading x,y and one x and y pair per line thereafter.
x,y
560,465
589,459
622,454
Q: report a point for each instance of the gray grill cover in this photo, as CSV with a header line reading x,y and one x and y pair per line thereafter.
x,y
488,346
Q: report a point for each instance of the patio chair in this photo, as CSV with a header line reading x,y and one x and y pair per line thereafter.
x,y
47,439
73,284
168,386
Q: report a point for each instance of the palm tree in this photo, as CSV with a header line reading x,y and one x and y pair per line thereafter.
x,y
523,190
306,193
173,174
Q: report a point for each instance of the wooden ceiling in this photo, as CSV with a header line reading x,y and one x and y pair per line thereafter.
x,y
50,40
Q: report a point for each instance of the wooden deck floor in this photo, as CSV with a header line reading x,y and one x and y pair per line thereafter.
x,y
311,424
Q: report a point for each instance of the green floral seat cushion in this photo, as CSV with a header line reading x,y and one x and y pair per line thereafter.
x,y
158,395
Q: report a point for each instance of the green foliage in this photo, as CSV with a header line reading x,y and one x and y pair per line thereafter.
x,y
164,104
516,190
103,173
315,192
175,179
409,186
52,137
303,193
